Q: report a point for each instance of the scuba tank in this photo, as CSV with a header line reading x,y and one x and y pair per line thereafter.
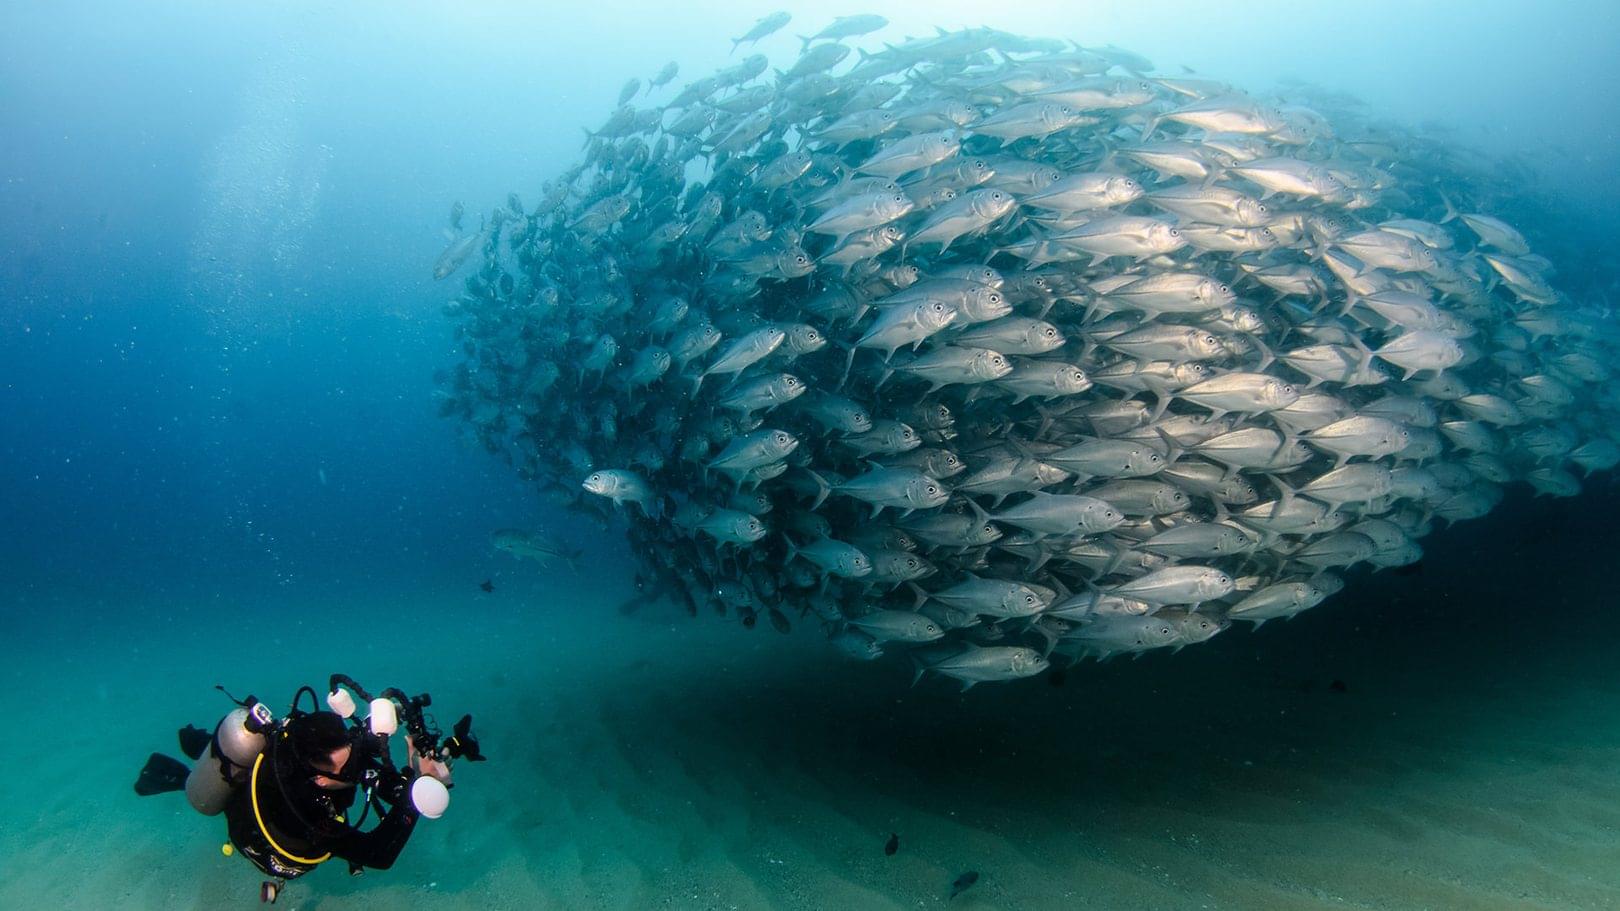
x,y
238,741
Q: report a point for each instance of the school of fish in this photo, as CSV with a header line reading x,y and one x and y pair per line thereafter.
x,y
993,351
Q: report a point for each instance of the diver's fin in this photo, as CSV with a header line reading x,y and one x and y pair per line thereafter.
x,y
161,775
194,740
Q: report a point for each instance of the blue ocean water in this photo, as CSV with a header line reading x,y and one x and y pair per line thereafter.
x,y
222,463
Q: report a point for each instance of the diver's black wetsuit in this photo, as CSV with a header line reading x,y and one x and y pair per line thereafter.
x,y
287,825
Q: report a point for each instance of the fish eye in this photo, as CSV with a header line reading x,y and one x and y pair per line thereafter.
x,y
1174,233
1225,290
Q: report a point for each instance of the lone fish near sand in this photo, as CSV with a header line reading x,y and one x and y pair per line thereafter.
x,y
536,546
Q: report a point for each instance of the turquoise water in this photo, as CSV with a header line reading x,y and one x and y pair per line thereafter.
x,y
222,465
650,760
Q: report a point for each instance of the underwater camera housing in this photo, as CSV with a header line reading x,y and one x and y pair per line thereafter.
x,y
394,705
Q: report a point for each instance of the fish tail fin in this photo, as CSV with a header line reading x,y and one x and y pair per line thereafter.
x,y
1114,562
1047,417
1064,593
1087,343
1350,301
919,594
805,46
1043,554
1451,211
883,377
1266,357
1172,449
1285,495
849,362
1366,353
1161,404
978,511
822,489
920,668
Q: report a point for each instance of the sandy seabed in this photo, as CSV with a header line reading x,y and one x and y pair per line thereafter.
x,y
645,760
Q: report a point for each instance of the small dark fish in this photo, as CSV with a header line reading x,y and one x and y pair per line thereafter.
x,y
1339,686
892,845
964,882
488,585
780,621
1057,677
749,620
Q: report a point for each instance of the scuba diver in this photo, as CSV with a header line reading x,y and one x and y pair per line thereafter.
x,y
288,786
